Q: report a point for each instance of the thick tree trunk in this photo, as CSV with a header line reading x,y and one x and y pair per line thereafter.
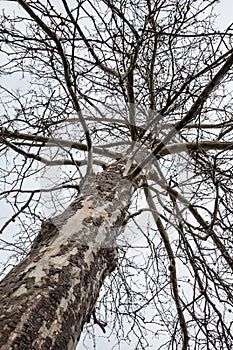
x,y
47,298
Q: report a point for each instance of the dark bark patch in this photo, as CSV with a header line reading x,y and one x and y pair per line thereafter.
x,y
47,344
97,221
48,231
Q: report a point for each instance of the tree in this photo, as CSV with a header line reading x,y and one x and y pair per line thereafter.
x,y
129,104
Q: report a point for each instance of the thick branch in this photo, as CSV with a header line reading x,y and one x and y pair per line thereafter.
x,y
53,141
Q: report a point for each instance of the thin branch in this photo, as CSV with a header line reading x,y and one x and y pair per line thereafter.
x,y
88,45
67,76
196,146
172,266
187,118
12,219
205,226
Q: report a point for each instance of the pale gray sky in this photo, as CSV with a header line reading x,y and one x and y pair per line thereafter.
x,y
225,8
225,18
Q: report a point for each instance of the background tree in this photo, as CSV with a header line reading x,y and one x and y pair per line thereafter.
x,y
116,124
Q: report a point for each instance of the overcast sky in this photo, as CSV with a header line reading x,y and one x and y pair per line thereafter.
x,y
225,18
225,8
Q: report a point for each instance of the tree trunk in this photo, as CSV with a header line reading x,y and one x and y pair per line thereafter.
x,y
47,298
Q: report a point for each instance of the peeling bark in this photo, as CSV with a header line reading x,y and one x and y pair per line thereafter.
x,y
47,298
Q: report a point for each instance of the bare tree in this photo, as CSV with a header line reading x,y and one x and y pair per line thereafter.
x,y
116,174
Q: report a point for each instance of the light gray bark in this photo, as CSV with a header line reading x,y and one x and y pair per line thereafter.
x,y
47,298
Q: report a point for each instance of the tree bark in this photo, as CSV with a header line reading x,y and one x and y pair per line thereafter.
x,y
47,298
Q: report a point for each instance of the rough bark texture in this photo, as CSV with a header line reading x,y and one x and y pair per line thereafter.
x,y
47,298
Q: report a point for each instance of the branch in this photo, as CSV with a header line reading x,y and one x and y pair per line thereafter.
x,y
12,219
50,141
205,226
101,324
172,266
187,118
48,161
67,76
195,147
88,45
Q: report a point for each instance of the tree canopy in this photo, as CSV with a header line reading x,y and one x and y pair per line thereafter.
x,y
88,84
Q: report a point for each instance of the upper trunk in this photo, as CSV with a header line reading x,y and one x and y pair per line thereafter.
x,y
47,298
